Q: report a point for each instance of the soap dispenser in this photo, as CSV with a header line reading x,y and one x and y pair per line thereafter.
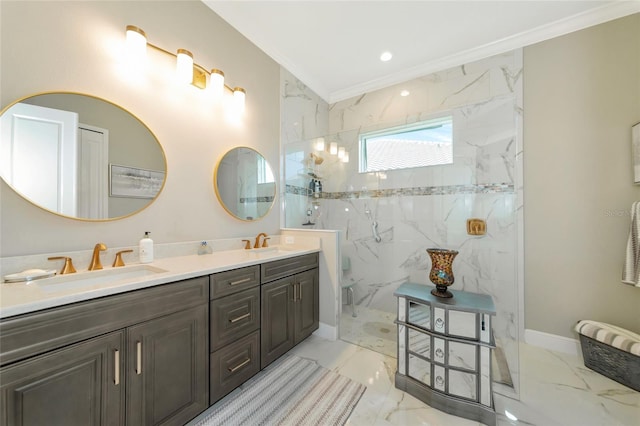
x,y
204,248
146,248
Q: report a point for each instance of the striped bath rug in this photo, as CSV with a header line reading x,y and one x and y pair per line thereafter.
x,y
291,391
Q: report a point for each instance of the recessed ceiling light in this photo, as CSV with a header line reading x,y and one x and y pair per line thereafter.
x,y
405,93
386,56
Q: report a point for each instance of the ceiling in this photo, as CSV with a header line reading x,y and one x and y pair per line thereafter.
x,y
334,47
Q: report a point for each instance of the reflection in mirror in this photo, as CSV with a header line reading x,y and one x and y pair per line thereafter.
x,y
59,151
244,184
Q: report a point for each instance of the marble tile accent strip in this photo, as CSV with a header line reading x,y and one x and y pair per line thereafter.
x,y
267,199
493,188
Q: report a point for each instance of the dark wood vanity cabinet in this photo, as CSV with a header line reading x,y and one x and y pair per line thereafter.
x,y
290,308
148,365
81,384
156,356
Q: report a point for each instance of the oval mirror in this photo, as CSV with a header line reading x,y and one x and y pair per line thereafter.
x,y
80,156
244,184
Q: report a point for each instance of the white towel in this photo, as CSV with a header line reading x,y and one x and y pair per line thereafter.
x,y
631,270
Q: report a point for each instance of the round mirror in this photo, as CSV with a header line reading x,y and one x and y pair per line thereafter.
x,y
80,156
244,184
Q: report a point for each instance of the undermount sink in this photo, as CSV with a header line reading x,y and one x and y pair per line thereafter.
x,y
268,251
96,278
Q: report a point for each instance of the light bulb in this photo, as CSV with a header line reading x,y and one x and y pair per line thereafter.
x,y
239,95
341,152
333,148
184,66
320,144
216,83
135,46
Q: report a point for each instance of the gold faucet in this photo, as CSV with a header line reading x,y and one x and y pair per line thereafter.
x,y
68,265
95,259
257,243
118,260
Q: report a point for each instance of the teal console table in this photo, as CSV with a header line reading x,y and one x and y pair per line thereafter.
x,y
444,350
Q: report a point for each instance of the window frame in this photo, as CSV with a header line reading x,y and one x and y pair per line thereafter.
x,y
431,121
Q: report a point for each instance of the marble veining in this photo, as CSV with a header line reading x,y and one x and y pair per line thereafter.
x,y
555,390
389,219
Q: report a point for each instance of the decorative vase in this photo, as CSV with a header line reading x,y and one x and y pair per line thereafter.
x,y
441,271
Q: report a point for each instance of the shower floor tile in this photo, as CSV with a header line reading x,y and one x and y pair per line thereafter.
x,y
371,329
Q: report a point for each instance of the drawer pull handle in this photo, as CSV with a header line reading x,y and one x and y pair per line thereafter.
x,y
239,366
439,323
116,368
244,280
439,353
439,381
241,317
139,358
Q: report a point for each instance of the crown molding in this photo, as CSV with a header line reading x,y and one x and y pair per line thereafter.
x,y
554,29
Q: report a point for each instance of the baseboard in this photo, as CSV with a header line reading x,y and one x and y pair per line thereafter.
x,y
553,342
327,331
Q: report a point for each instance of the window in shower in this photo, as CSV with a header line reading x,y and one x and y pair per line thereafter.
x,y
427,143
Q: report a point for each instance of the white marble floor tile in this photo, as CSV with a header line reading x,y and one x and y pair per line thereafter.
x,y
371,328
556,390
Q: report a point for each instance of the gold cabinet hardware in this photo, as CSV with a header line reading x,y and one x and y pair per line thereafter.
x,y
95,258
116,367
239,366
244,280
247,244
138,358
118,260
241,317
68,264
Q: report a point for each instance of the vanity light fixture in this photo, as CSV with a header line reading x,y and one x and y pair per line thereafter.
x,y
333,148
345,157
320,144
184,66
136,42
187,70
341,152
216,83
238,99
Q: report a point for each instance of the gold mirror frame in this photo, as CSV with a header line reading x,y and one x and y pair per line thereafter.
x,y
221,197
135,119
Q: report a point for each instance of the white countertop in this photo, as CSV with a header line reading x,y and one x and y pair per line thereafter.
x,y
21,298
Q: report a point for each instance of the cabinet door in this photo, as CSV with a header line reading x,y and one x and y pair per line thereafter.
x,y
277,320
82,384
307,308
167,368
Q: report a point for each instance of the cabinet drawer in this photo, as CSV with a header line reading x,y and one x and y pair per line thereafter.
x,y
233,317
285,267
233,365
229,282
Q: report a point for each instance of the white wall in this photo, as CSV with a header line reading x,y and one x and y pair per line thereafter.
x,y
77,46
581,97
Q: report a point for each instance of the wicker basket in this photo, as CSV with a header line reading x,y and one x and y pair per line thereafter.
x,y
616,364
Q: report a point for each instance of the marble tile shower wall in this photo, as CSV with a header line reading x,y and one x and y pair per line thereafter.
x,y
412,210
